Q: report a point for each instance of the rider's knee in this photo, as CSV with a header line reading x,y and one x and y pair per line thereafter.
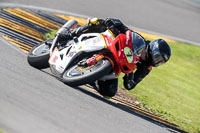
x,y
108,87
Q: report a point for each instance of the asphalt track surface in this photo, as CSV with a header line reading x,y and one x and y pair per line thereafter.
x,y
179,19
34,101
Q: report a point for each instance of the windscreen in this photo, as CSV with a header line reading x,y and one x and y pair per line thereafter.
x,y
138,43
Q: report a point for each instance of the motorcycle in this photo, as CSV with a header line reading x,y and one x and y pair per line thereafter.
x,y
90,57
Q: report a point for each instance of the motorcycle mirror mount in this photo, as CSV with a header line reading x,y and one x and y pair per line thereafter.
x,y
67,26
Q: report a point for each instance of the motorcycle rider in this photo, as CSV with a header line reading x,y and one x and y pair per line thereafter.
x,y
156,52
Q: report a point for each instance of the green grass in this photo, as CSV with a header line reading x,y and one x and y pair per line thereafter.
x,y
1,131
173,90
50,35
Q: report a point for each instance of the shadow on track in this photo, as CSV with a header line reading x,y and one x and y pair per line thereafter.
x,y
126,109
118,105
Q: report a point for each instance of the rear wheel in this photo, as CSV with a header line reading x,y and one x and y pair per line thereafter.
x,y
79,75
38,56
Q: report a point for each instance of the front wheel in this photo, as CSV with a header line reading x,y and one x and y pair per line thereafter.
x,y
38,56
77,75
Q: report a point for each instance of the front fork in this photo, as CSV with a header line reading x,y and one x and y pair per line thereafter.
x,y
98,57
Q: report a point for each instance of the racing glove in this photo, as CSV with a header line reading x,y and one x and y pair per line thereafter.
x,y
109,22
116,26
129,83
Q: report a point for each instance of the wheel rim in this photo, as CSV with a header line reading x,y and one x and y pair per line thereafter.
x,y
79,71
41,49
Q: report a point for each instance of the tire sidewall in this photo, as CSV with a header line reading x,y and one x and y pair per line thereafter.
x,y
38,61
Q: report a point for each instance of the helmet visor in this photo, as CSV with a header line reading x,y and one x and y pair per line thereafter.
x,y
157,58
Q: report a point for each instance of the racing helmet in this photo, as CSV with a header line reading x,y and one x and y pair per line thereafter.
x,y
159,51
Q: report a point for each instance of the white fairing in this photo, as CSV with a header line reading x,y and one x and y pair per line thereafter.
x,y
60,59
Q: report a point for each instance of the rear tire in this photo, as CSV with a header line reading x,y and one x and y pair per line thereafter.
x,y
75,77
38,56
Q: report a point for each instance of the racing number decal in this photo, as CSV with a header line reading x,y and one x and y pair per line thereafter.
x,y
55,59
129,54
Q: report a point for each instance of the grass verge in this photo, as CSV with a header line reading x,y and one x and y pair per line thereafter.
x,y
1,131
173,90
50,35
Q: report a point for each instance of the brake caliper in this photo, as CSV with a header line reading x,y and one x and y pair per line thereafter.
x,y
94,59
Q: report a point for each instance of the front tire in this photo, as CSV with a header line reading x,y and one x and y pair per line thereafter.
x,y
38,56
76,75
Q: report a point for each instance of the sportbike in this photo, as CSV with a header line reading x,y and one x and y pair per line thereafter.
x,y
89,57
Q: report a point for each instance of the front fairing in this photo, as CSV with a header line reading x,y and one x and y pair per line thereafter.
x,y
60,60
123,54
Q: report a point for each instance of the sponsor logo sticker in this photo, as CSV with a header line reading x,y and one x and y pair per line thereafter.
x,y
129,54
